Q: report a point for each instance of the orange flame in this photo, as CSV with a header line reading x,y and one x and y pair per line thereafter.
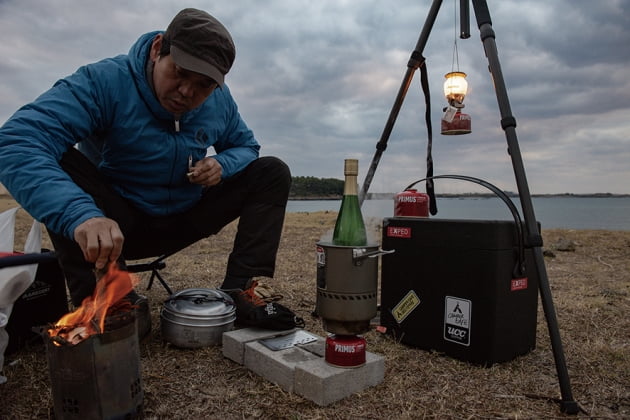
x,y
89,318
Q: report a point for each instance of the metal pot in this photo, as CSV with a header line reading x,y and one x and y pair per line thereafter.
x,y
195,318
347,287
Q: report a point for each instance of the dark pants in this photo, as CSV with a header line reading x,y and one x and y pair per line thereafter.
x,y
258,195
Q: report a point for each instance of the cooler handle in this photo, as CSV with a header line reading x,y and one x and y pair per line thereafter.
x,y
519,270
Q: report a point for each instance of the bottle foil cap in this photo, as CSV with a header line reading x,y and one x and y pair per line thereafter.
x,y
351,167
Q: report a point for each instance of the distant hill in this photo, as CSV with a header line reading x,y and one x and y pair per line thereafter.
x,y
311,188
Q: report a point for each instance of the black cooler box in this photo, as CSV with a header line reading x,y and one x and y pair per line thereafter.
x,y
449,287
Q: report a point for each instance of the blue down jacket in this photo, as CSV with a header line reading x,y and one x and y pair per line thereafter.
x,y
145,153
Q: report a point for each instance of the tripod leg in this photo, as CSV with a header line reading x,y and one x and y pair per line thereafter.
x,y
415,61
508,122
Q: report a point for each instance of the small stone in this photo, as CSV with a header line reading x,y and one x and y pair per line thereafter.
x,y
565,245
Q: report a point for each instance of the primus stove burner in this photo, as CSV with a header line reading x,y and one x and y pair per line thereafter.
x,y
347,282
98,378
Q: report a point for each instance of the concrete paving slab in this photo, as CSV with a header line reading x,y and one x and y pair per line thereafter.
x,y
301,369
324,384
234,341
276,366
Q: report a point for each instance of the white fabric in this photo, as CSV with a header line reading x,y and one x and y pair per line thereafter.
x,y
14,280
7,230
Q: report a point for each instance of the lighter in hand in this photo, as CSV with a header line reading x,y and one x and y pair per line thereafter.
x,y
190,166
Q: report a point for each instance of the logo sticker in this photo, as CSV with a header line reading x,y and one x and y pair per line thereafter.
x,y
321,257
321,267
518,284
457,320
405,306
398,232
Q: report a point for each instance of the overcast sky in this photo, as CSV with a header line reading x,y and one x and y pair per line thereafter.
x,y
316,81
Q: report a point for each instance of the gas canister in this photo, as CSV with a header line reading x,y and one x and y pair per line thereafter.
x,y
411,203
346,351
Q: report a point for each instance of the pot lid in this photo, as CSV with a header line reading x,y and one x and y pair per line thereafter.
x,y
200,302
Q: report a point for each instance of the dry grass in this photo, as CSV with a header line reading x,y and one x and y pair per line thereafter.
x,y
591,290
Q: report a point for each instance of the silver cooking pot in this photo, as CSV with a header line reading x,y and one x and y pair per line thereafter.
x,y
195,318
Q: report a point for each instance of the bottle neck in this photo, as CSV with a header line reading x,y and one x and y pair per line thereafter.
x,y
350,186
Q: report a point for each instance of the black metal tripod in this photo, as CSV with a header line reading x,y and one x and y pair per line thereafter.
x,y
533,239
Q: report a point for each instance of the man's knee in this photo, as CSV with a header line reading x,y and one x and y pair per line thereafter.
x,y
275,165
272,170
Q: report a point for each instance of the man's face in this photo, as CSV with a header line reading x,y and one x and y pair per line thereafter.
x,y
178,90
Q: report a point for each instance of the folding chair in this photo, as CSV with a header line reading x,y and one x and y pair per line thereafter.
x,y
154,267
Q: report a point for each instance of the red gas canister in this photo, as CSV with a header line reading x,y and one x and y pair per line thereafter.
x,y
459,125
411,203
345,351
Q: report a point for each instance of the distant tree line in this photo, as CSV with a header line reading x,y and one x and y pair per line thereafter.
x,y
311,187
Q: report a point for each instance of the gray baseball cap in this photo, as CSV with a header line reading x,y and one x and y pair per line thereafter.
x,y
200,43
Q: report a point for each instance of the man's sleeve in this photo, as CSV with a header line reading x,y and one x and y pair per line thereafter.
x,y
236,147
32,142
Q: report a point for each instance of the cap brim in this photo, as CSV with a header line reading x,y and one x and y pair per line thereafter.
x,y
192,63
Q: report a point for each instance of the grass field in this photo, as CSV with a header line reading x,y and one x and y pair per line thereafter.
x,y
591,291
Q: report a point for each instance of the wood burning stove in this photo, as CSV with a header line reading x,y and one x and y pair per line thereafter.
x,y
100,377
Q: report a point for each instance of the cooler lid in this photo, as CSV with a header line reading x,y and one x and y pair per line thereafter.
x,y
451,233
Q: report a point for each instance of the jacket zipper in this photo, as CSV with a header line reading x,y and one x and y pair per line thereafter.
x,y
174,163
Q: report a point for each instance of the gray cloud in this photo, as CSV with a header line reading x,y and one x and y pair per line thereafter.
x,y
317,80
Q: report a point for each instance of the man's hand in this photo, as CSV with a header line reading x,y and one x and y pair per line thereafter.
x,y
100,240
206,172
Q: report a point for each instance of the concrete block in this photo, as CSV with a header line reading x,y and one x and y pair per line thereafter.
x,y
234,341
276,366
301,369
318,347
324,384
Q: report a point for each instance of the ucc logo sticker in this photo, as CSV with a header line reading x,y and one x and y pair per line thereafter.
x,y
457,320
457,332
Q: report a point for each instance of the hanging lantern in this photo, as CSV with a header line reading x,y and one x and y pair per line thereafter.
x,y
455,88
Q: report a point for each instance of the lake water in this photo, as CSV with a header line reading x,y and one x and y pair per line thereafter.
x,y
609,213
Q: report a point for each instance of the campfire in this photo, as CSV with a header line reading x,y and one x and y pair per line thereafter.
x,y
104,306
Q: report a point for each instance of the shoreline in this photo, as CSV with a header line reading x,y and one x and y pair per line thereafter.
x,y
390,196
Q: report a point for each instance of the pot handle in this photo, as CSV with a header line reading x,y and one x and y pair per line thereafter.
x,y
199,298
360,253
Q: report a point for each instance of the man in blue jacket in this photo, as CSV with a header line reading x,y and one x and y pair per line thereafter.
x,y
144,185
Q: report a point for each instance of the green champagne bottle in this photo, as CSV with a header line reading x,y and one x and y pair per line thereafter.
x,y
350,228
